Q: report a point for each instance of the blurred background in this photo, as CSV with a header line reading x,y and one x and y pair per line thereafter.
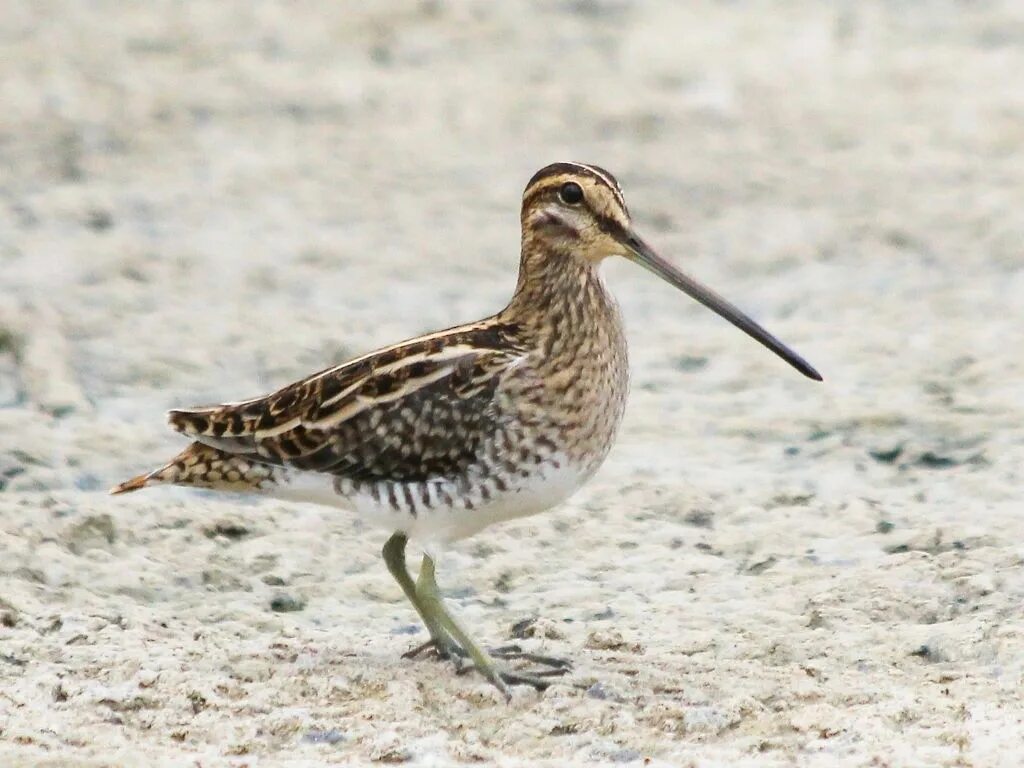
x,y
204,201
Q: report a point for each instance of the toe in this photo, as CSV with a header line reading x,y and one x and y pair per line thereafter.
x,y
515,652
498,680
536,680
412,653
442,648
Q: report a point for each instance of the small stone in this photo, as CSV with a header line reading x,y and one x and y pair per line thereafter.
x,y
197,701
597,691
933,460
536,627
690,362
931,653
611,641
760,567
699,518
564,729
406,629
625,756
391,755
148,678
285,603
333,736
703,546
886,455
129,703
229,529
99,220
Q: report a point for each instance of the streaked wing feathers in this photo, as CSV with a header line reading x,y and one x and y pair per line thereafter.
x,y
411,411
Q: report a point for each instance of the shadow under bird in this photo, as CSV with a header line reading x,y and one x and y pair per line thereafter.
x,y
438,437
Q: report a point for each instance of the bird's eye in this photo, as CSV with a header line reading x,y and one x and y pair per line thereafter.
x,y
571,193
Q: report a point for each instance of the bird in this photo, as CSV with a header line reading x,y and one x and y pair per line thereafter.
x,y
438,437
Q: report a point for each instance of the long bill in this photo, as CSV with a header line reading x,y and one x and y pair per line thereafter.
x,y
645,256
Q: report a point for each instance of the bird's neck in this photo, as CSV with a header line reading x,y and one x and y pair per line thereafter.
x,y
570,326
561,292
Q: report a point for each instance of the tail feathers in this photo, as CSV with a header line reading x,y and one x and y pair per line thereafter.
x,y
203,466
172,472
135,484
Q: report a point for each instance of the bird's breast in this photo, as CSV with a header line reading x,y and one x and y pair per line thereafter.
x,y
571,390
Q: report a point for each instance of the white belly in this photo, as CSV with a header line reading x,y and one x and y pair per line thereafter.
x,y
438,511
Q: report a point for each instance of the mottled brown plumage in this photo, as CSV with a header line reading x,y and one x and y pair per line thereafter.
x,y
365,420
442,435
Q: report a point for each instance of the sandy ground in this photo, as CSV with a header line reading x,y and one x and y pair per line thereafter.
x,y
205,201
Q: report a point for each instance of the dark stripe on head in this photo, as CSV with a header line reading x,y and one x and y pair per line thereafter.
x,y
608,224
578,169
546,185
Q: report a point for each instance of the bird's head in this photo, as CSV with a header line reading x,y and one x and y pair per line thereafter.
x,y
577,211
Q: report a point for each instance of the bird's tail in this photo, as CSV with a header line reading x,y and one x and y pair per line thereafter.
x,y
203,466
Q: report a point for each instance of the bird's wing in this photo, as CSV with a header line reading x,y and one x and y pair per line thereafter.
x,y
417,410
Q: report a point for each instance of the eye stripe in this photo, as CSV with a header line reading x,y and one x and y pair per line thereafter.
x,y
556,174
549,193
607,224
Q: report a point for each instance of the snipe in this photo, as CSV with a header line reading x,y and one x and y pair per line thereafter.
x,y
440,436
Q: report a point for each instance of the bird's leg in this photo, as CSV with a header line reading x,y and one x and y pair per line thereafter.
x,y
433,605
440,641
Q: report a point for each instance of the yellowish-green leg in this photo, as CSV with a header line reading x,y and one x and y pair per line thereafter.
x,y
394,558
447,636
432,606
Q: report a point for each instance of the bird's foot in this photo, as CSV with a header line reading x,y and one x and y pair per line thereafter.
x,y
447,649
442,649
501,677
